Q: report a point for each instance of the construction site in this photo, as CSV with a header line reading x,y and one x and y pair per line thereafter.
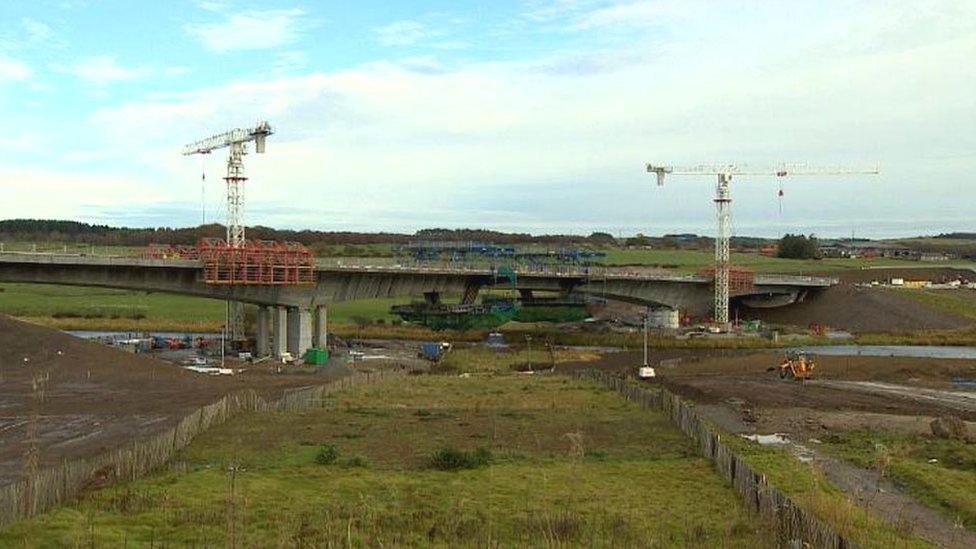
x,y
788,363
459,284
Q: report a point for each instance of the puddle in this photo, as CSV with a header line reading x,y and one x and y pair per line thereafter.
x,y
962,383
774,439
916,351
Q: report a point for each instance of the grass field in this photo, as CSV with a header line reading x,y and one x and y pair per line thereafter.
x,y
424,460
958,301
947,484
78,308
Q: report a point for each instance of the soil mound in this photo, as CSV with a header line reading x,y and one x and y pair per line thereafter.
x,y
856,309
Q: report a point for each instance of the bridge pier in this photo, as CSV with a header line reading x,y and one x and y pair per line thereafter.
x,y
299,331
320,331
280,331
470,294
263,344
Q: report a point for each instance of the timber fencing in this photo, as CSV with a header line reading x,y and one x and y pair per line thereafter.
x,y
793,525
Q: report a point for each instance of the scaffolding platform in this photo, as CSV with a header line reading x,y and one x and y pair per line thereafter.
x,y
257,262
741,280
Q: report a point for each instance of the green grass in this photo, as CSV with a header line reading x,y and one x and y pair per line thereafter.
x,y
960,301
691,260
570,463
811,490
947,485
81,308
93,308
481,359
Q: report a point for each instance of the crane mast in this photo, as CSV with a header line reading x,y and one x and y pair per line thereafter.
x,y
723,209
236,140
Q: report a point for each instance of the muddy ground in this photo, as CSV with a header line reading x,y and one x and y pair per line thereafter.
x,y
96,398
740,380
895,394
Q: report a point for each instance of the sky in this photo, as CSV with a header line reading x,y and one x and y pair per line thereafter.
x,y
531,115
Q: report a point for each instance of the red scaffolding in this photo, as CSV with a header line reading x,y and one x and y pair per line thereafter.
x,y
258,262
741,280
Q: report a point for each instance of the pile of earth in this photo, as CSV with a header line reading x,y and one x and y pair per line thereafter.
x,y
861,310
86,398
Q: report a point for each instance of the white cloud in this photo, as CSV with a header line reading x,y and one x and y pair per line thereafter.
x,y
638,13
54,194
559,141
101,70
404,33
36,30
13,70
251,30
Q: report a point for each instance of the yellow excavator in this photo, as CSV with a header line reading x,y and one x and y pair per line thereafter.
x,y
796,366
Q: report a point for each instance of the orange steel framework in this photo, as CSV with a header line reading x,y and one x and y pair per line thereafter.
x,y
741,280
257,262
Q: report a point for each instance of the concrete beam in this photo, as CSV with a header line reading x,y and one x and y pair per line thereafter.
x,y
263,343
299,331
280,331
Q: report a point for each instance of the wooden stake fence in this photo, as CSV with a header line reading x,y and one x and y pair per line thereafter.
x,y
793,525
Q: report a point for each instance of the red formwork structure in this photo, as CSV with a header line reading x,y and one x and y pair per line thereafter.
x,y
257,262
741,280
169,251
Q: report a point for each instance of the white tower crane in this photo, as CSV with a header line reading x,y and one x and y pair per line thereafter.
x,y
236,139
723,207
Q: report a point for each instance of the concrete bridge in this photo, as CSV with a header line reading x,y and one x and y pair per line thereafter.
x,y
297,314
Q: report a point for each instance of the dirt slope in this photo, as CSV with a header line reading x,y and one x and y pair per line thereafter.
x,y
96,397
847,307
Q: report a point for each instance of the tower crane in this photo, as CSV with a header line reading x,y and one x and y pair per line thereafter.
x,y
236,140
723,207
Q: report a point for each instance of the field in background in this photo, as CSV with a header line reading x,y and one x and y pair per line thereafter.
x,y
424,460
79,308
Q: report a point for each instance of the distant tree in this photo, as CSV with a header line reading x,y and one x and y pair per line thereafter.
x,y
602,239
639,240
798,246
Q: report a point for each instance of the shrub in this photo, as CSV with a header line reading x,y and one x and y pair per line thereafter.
x,y
452,459
355,461
327,455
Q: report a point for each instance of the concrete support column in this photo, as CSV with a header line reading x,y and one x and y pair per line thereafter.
x,y
321,330
263,344
299,331
470,294
280,331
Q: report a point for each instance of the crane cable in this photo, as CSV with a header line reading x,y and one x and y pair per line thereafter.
x,y
203,191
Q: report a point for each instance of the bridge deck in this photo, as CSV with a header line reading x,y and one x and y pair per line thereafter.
x,y
371,265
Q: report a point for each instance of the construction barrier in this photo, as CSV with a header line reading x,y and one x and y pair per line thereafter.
x,y
56,485
793,526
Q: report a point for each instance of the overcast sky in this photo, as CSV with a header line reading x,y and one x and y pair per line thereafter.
x,y
533,115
